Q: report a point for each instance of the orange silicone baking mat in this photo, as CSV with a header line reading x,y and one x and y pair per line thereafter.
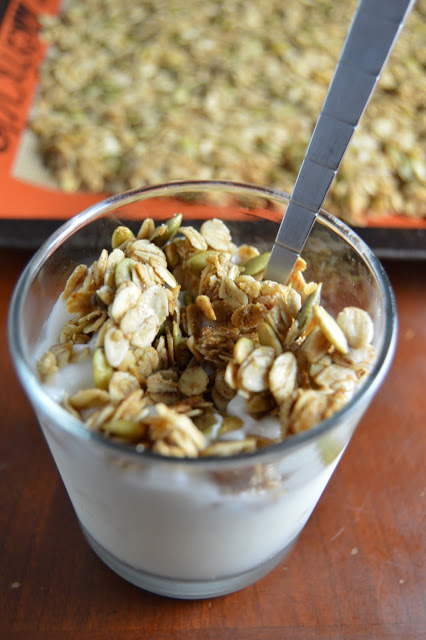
x,y
26,194
21,52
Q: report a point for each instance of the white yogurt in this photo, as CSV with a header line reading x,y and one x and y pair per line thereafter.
x,y
182,524
180,520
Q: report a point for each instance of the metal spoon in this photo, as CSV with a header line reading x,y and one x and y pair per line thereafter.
x,y
374,30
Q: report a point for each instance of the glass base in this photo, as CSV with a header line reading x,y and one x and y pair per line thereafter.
x,y
185,589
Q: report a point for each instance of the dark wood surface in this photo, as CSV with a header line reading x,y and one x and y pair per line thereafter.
x,y
356,572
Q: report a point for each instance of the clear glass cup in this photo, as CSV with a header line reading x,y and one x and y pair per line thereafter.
x,y
197,528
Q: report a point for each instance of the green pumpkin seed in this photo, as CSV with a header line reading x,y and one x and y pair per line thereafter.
x,y
172,228
161,330
306,311
205,423
256,265
268,337
260,403
229,423
123,271
102,370
176,333
196,263
331,329
120,235
147,229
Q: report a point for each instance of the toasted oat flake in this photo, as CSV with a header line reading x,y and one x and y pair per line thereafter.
x,y
175,430
194,237
205,305
216,234
357,326
283,376
231,293
309,409
121,384
47,366
253,372
155,297
116,346
230,447
193,381
315,346
248,316
336,377
75,279
62,353
88,399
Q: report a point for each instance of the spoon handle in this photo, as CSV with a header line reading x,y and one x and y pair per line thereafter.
x,y
374,30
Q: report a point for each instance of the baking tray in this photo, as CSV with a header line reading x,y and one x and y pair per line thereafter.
x,y
387,243
31,209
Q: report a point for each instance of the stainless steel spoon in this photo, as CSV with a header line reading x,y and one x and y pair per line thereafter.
x,y
374,30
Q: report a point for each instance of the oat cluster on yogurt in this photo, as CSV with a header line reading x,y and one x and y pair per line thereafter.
x,y
177,322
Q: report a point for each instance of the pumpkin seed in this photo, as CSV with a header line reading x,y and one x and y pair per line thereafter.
x,y
256,265
176,333
123,271
268,337
172,228
120,235
147,229
205,423
304,316
260,403
229,423
161,330
102,370
172,255
196,263
306,311
331,329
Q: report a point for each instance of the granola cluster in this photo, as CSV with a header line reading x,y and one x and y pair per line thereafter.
x,y
178,321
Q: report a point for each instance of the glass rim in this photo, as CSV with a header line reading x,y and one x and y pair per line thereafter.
x,y
64,420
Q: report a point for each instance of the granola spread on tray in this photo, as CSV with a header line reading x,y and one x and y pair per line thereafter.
x,y
177,322
148,92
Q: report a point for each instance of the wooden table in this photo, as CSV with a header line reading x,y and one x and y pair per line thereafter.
x,y
356,572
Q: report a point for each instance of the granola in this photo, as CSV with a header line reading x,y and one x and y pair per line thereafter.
x,y
175,328
149,92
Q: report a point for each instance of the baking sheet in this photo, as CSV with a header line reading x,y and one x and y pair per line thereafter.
x,y
387,243
30,205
